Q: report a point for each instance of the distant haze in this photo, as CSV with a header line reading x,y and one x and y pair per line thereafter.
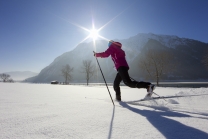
x,y
21,75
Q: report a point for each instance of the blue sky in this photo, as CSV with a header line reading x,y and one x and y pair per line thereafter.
x,y
34,32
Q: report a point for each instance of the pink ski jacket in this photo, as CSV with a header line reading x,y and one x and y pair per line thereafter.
x,y
117,55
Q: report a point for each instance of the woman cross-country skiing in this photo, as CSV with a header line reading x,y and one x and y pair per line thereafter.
x,y
121,65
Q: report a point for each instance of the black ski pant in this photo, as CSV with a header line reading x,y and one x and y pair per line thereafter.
x,y
124,75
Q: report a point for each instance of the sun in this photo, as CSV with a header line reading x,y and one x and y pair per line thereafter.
x,y
94,34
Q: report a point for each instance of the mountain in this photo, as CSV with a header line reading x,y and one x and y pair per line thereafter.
x,y
188,54
21,75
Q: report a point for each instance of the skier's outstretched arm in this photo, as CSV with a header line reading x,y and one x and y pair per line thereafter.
x,y
107,53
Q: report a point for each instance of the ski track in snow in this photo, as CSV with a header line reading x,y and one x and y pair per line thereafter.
x,y
43,111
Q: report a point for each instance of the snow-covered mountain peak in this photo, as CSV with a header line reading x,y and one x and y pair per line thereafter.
x,y
134,49
170,41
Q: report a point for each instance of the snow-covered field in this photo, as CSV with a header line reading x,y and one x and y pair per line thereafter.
x,y
44,111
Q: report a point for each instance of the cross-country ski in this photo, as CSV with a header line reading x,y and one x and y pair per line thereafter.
x,y
165,97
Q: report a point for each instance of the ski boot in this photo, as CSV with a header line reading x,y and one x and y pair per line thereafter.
x,y
118,97
150,89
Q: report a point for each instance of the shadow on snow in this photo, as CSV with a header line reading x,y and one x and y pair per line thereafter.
x,y
170,129
111,125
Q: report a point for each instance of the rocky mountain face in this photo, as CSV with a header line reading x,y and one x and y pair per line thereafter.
x,y
187,57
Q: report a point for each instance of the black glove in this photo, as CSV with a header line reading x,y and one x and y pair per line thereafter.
x,y
94,53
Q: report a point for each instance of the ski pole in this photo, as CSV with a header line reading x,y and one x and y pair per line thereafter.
x,y
160,96
104,80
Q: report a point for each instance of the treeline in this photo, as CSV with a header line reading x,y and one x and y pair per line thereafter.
x,y
6,77
88,69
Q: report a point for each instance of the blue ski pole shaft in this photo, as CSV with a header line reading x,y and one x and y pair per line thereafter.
x,y
104,80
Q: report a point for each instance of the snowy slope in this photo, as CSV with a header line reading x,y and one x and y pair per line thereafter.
x,y
43,111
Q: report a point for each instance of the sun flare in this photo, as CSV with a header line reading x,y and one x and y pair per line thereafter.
x,y
94,34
